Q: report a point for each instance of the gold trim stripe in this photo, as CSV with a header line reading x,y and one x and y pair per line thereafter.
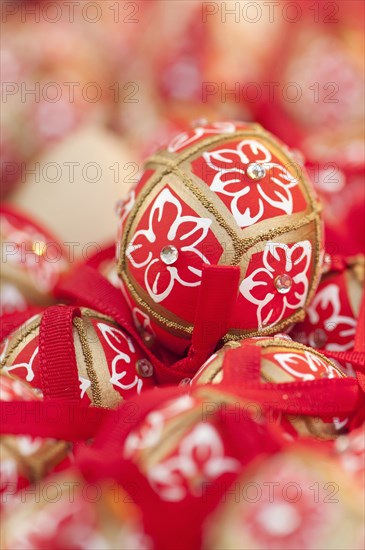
x,y
240,244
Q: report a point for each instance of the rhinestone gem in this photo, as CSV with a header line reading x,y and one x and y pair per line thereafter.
x,y
256,171
169,254
144,368
283,283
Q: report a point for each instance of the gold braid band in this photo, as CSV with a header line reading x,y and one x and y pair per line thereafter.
x,y
171,165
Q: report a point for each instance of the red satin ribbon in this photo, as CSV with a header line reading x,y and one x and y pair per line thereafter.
x,y
218,292
327,397
58,365
55,418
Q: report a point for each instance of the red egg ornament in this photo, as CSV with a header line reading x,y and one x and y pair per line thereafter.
x,y
25,459
299,498
32,261
225,194
80,356
280,362
179,454
69,513
332,318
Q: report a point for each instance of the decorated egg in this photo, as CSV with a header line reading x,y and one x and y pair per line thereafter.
x,y
224,194
109,366
32,261
178,442
332,316
69,513
299,498
25,459
283,361
190,448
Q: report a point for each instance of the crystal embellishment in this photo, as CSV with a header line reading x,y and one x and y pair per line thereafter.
x,y
283,283
169,254
144,368
256,171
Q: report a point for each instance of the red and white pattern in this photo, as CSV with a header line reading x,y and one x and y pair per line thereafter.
x,y
32,251
167,224
291,518
190,137
225,171
125,355
304,365
120,353
199,457
14,389
330,322
233,180
150,430
13,459
69,517
142,321
258,291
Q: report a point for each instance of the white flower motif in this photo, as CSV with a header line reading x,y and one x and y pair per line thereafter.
x,y
200,458
142,322
114,339
259,289
248,197
340,329
28,366
302,365
150,432
187,138
85,384
167,226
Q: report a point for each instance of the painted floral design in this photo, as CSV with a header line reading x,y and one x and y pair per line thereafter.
x,y
123,373
305,366
189,137
14,389
258,287
250,201
326,326
142,322
149,433
30,366
168,226
199,458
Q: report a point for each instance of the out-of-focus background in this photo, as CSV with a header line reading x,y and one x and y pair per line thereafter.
x,y
89,89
